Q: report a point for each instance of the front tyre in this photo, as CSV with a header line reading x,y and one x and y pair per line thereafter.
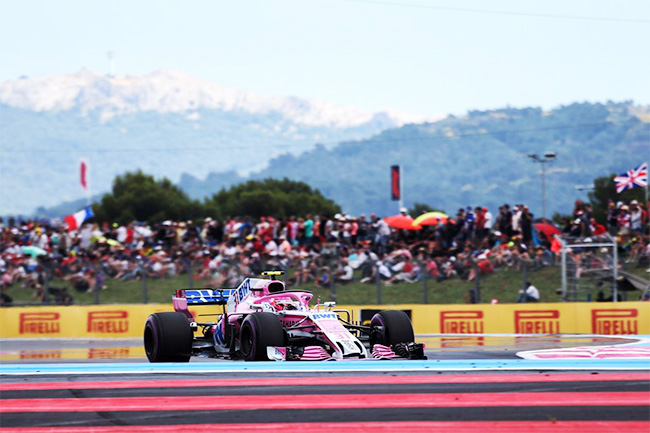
x,y
168,338
259,331
390,327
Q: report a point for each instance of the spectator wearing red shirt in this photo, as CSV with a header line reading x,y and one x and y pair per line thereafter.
x,y
480,223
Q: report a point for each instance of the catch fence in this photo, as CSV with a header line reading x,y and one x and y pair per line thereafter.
x,y
589,269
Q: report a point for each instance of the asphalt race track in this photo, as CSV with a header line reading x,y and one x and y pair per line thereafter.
x,y
600,386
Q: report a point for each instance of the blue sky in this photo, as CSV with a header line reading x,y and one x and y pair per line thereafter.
x,y
416,56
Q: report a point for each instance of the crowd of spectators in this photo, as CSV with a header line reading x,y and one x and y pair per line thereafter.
x,y
319,250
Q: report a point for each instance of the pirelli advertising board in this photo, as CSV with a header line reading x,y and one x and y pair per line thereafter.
x,y
126,321
101,321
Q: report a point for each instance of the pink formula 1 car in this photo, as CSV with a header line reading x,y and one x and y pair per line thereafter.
x,y
262,321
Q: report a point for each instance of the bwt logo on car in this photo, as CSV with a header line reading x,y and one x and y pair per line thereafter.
x,y
318,316
537,322
615,322
242,291
461,322
108,322
40,323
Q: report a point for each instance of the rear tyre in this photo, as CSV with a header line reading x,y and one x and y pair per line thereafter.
x,y
390,327
259,331
168,338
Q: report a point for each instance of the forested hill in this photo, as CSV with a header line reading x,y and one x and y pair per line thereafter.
x,y
480,158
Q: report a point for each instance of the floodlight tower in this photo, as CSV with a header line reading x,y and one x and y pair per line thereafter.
x,y
548,157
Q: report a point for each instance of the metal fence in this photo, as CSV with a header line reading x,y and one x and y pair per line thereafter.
x,y
589,272
53,291
590,269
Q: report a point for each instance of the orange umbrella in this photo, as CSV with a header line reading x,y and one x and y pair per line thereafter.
x,y
431,219
401,222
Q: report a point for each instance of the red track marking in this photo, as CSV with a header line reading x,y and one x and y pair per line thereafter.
x,y
318,401
335,380
381,427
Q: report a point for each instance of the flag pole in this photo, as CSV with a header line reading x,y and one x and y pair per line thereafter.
x,y
88,195
401,182
647,205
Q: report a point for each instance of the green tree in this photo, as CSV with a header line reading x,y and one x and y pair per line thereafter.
x,y
420,208
605,190
138,196
280,198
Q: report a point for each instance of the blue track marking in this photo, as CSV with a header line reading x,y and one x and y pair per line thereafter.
x,y
322,367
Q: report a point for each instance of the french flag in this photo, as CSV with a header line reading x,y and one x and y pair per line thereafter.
x,y
75,220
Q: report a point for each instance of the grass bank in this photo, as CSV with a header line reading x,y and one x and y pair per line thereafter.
x,y
503,285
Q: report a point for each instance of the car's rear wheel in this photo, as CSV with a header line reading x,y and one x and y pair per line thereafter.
x,y
259,331
168,338
390,327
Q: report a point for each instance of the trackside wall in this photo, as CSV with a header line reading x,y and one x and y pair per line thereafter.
x,y
125,321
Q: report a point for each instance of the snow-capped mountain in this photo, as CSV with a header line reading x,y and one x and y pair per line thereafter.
x,y
174,92
165,123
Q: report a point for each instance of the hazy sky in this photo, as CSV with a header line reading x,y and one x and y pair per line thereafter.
x,y
417,56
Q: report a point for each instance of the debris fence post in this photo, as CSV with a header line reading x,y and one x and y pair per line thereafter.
x,y
563,251
190,273
378,283
477,284
425,277
475,293
615,262
524,273
97,286
46,288
333,267
145,291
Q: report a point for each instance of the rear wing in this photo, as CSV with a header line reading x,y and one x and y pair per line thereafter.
x,y
206,296
203,296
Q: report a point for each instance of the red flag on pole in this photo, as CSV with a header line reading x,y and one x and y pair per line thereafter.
x,y
395,190
84,169
84,174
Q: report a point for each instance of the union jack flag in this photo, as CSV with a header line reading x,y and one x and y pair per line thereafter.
x,y
631,178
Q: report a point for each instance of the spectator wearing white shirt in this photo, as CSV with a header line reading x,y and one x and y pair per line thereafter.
x,y
489,220
382,232
636,216
345,273
121,234
271,248
531,294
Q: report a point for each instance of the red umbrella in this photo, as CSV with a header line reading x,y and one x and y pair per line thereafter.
x,y
401,222
548,230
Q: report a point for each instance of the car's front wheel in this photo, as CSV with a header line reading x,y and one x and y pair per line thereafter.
x,y
259,331
390,327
